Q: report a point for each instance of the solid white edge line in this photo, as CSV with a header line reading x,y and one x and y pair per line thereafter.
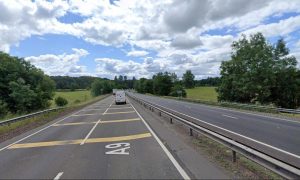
x,y
170,156
57,177
38,131
93,128
278,149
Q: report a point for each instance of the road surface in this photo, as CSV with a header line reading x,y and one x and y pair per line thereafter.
x,y
279,133
101,141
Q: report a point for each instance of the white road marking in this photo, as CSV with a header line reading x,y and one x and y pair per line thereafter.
x,y
213,108
88,135
37,131
122,147
57,177
170,156
229,116
107,109
259,142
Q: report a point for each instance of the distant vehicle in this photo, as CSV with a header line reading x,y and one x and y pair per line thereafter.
x,y
120,97
114,91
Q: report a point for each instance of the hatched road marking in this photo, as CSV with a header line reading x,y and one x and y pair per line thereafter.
x,y
78,141
101,122
120,112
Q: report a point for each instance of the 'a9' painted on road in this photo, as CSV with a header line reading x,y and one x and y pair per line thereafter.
x,y
118,148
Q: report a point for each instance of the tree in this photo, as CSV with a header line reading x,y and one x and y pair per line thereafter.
x,y
162,83
188,79
23,87
259,72
178,91
100,87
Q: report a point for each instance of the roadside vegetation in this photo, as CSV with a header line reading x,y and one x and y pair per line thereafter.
x,y
258,72
203,93
73,97
23,87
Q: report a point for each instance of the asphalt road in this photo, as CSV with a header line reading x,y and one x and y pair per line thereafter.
x,y
276,132
100,141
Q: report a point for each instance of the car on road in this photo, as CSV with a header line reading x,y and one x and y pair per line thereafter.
x,y
120,97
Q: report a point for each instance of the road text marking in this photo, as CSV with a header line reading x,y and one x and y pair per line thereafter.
x,y
122,147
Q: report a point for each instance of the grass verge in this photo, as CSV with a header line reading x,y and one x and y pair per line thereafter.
x,y
243,168
203,93
73,97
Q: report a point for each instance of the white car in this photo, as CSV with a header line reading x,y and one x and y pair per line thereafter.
x,y
120,97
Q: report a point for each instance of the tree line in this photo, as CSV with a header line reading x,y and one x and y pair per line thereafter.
x,y
166,83
259,72
210,81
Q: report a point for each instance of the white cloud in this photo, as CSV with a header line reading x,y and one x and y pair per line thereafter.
x,y
63,64
135,53
177,31
282,28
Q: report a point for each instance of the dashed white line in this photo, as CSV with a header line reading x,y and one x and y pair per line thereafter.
x,y
229,116
57,177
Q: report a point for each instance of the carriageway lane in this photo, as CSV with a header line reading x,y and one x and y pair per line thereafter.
x,y
279,133
100,141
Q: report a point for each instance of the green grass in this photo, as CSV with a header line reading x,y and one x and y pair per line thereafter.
x,y
73,97
202,93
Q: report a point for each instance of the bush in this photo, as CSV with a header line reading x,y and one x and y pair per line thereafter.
x,y
77,101
176,91
60,101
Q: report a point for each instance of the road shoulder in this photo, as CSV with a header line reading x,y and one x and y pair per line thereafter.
x,y
182,148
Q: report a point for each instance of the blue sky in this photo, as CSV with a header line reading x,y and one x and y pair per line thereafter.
x,y
136,38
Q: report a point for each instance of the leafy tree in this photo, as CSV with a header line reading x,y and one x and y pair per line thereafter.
x,y
23,87
259,72
178,91
3,109
188,79
100,87
162,83
60,101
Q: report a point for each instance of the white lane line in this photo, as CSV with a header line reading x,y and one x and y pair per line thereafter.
x,y
57,177
170,156
88,135
229,116
107,109
37,131
262,143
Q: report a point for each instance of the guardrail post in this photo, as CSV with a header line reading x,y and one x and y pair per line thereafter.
x,y
159,113
233,156
171,120
191,132
152,109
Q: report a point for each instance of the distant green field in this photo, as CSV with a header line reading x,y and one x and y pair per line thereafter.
x,y
203,93
73,96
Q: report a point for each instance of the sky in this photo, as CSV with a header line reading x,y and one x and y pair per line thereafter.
x,y
105,38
